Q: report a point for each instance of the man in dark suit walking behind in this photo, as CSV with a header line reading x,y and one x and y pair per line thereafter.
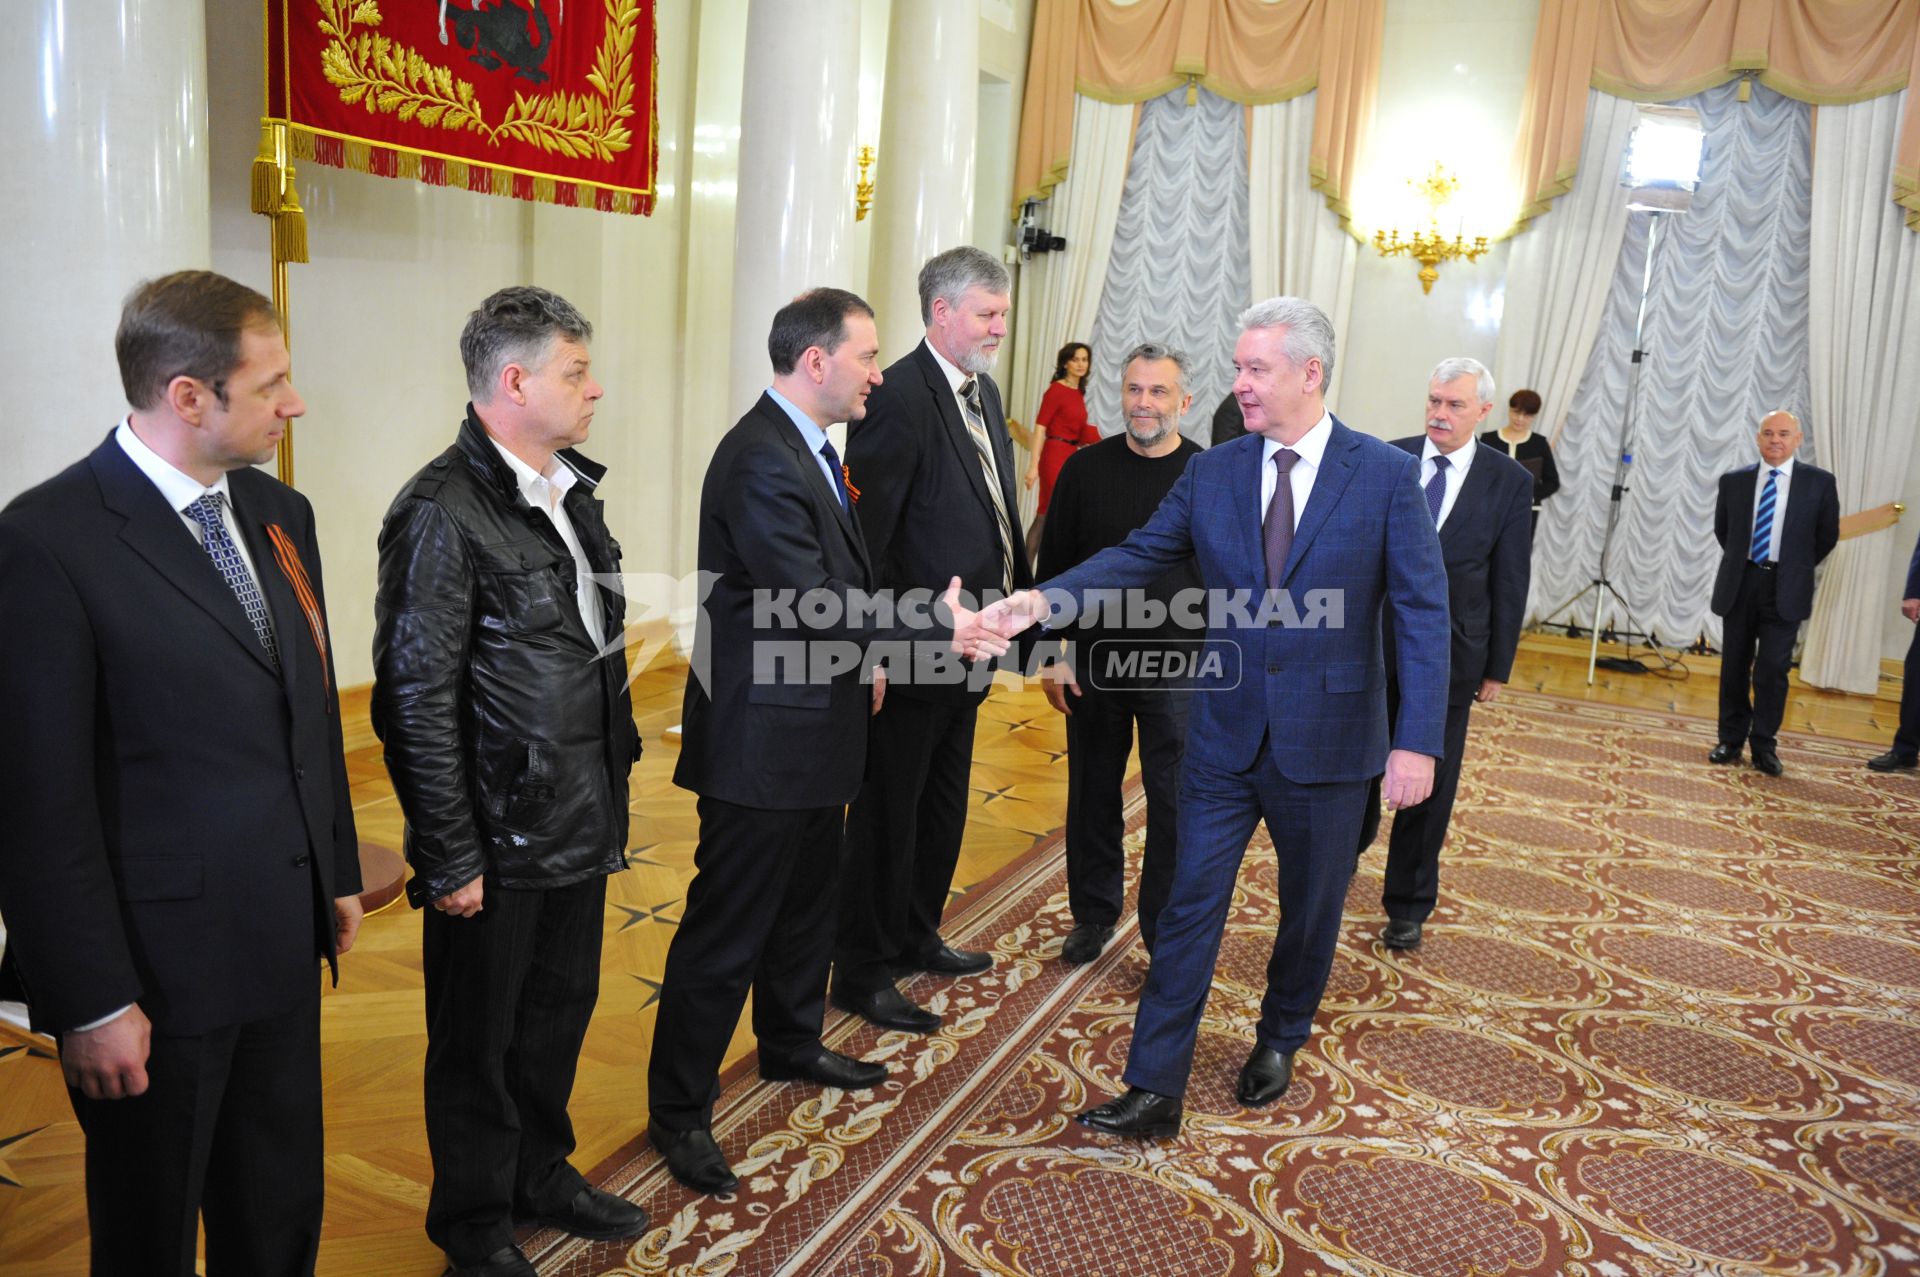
x,y
1325,528
500,693
775,738
179,848
1904,754
1481,501
934,469
1775,522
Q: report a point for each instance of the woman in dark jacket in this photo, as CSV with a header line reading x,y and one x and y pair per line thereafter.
x,y
1518,441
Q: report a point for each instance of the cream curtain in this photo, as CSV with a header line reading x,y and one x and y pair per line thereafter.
x,y
1559,274
1864,310
1060,292
1297,246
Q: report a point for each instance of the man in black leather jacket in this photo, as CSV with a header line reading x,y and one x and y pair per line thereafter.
x,y
501,697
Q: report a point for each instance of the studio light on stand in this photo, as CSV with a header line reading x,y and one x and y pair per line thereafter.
x,y
1660,173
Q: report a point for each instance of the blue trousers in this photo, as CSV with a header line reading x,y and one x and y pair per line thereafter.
x,y
1314,828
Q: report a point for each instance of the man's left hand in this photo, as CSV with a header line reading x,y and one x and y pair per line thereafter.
x,y
347,913
1409,779
1489,689
879,688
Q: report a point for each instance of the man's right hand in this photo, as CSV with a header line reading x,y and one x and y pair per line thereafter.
x,y
1056,680
1910,608
110,1062
463,903
973,637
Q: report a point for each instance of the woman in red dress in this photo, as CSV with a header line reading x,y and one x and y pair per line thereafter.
x,y
1062,419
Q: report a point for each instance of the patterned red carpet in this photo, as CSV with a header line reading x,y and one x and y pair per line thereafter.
x,y
1666,1019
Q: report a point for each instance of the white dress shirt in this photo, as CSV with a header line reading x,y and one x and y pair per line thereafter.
x,y
1459,461
1779,507
547,492
1310,447
955,379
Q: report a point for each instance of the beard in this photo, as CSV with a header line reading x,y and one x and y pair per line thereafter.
x,y
976,360
1162,427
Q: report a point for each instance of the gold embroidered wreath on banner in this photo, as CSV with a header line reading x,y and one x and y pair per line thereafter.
x,y
391,79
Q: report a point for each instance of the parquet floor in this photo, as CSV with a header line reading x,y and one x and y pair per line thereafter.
x,y
372,1025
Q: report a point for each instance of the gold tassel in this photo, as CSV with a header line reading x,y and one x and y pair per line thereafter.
x,y
290,226
1746,88
265,194
1193,90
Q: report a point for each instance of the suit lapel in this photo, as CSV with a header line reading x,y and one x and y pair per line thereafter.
x,y
823,492
157,534
1247,479
1471,499
289,619
1336,469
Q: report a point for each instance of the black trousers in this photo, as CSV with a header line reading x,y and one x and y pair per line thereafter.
x,y
1906,740
1756,648
1413,844
1099,738
759,913
903,838
509,994
229,1127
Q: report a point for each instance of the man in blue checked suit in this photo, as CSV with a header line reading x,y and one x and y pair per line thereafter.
x,y
1774,522
1321,529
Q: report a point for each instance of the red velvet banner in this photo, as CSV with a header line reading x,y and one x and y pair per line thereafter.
x,y
548,100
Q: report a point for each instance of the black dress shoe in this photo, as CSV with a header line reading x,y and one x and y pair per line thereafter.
x,y
694,1159
592,1214
1767,763
888,1008
944,960
826,1068
1264,1078
1894,761
1084,943
1724,754
508,1261
1400,934
1138,1113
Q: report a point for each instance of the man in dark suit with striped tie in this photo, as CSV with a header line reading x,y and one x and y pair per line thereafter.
x,y
1774,522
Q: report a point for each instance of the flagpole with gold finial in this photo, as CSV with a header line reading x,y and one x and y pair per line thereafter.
x,y
274,196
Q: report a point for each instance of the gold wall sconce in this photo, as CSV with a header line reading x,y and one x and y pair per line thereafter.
x,y
1430,247
863,186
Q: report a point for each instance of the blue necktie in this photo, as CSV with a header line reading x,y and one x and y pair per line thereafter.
x,y
1437,489
833,468
1763,519
232,568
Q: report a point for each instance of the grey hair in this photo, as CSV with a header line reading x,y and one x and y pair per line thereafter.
x,y
1309,331
949,274
1461,366
516,325
1153,350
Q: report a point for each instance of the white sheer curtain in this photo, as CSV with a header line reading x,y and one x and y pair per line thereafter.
x,y
1178,274
1561,269
1865,375
1060,292
1296,245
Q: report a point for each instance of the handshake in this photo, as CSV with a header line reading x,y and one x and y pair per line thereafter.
x,y
990,631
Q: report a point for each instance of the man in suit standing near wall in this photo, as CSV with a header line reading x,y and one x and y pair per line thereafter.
x,y
1904,755
1775,522
179,848
1327,528
934,469
1481,502
500,694
775,740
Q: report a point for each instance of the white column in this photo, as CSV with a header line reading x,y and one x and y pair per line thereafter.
x,y
793,219
105,161
923,196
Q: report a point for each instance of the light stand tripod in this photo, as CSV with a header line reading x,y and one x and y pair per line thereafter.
x,y
1601,587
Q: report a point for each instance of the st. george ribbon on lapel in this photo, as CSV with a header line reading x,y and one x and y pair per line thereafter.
x,y
288,557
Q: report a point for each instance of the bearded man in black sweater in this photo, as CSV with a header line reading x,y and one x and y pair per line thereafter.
x,y
1127,669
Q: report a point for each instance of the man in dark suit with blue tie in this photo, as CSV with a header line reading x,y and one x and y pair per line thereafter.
x,y
1325,528
775,739
1775,522
179,851
1481,501
1904,755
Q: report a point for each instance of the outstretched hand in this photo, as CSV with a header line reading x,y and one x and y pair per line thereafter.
x,y
974,637
1017,612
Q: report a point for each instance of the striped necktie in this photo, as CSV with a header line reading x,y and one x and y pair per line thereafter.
x,y
977,427
1763,519
232,568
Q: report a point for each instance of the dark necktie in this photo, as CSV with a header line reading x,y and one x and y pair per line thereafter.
x,y
232,568
977,429
833,468
1279,529
1763,518
1437,489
